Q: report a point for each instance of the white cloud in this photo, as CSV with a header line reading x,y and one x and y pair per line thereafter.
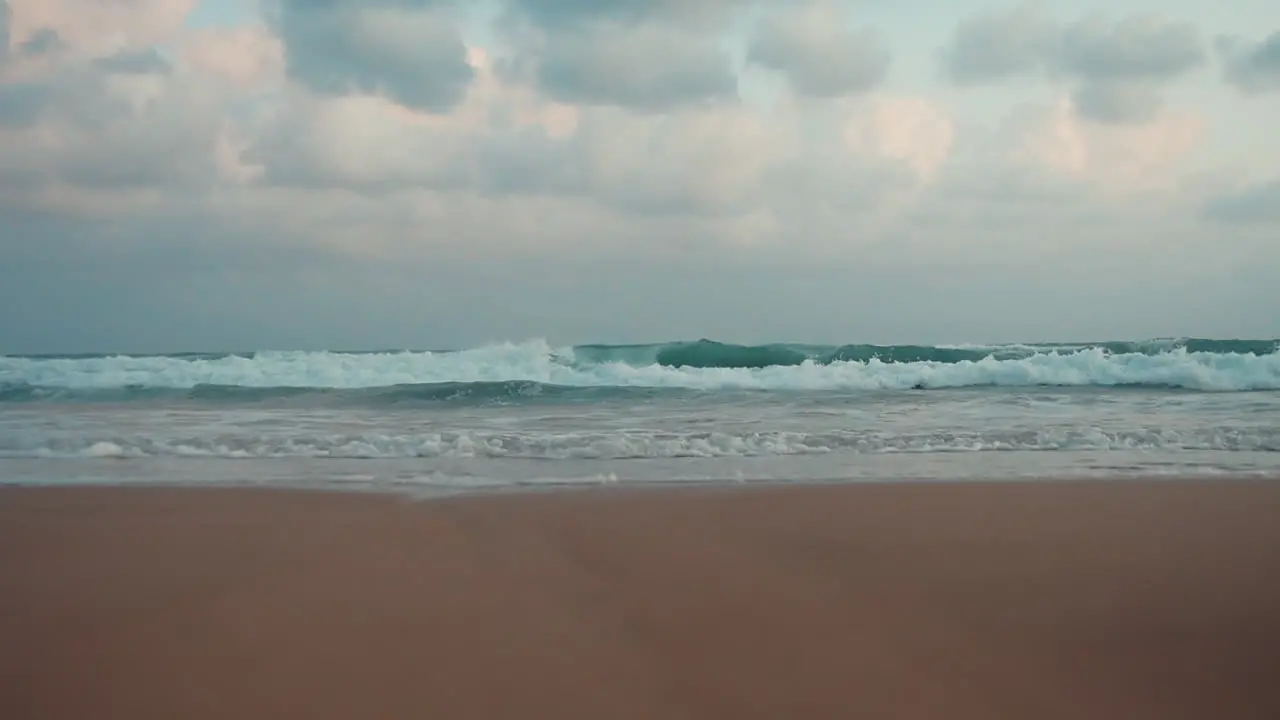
x,y
909,130
249,58
1118,159
95,28
689,162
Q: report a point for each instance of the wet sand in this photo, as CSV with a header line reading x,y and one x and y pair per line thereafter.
x,y
1123,600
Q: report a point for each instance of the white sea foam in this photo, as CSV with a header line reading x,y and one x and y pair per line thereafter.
x,y
624,445
538,362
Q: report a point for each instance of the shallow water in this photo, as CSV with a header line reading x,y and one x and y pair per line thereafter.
x,y
688,436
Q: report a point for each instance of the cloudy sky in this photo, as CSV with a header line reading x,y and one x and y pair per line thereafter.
x,y
239,174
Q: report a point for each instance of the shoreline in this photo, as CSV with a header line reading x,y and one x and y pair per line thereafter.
x,y
1069,598
423,492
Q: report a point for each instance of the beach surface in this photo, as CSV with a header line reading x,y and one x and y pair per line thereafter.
x,y
1033,600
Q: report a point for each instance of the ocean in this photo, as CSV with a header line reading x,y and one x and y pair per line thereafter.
x,y
529,415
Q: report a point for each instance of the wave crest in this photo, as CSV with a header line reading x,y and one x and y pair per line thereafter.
x,y
535,369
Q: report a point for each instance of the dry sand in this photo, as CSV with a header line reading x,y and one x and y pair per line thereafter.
x,y
1124,600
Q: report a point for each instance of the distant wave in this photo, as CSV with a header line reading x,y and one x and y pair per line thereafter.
x,y
515,371
712,354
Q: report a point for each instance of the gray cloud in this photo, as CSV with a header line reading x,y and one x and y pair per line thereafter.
x,y
21,104
1117,102
997,45
819,53
526,162
6,20
172,155
647,55
1252,67
683,164
1117,65
97,134
408,50
1256,204
558,13
296,154
41,42
308,145
650,67
1138,47
134,62
488,164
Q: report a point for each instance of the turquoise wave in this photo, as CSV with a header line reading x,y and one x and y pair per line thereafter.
x,y
706,353
533,371
712,354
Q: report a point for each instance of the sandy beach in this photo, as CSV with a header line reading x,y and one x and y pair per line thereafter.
x,y
1098,600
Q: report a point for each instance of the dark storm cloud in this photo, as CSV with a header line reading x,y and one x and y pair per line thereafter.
x,y
1117,65
410,51
1252,67
819,59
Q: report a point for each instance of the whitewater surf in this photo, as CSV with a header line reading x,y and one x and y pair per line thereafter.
x,y
537,369
536,414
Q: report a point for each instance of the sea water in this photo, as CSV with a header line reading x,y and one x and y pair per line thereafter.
x,y
533,415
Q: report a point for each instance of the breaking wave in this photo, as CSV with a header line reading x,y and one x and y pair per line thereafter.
x,y
536,370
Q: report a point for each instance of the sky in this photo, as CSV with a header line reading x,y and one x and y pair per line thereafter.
x,y
186,175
